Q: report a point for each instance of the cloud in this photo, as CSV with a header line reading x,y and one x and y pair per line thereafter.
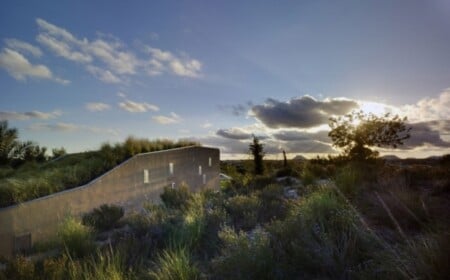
x,y
237,110
165,61
70,127
135,107
302,112
53,127
4,115
97,106
118,61
295,135
428,109
171,119
62,49
105,76
234,133
428,133
206,125
23,47
108,60
20,68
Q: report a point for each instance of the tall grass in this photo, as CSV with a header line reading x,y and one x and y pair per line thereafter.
x,y
174,264
77,239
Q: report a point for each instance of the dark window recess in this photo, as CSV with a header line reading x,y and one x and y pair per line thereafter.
x,y
22,243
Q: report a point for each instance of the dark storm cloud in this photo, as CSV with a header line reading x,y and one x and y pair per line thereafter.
x,y
428,133
292,135
302,112
234,133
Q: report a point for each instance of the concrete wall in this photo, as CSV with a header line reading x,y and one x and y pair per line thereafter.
x,y
38,220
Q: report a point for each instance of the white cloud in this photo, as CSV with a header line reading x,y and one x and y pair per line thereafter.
x,y
121,62
97,106
428,109
23,47
5,115
135,107
107,59
164,61
20,68
103,75
61,48
57,31
171,119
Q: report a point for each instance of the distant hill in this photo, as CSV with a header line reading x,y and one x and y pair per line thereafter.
x,y
299,158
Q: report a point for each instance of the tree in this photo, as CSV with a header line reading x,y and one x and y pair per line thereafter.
x,y
8,142
15,152
256,149
356,132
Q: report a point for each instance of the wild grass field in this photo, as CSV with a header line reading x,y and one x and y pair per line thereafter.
x,y
317,219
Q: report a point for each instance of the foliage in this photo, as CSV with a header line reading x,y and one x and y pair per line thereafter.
x,y
58,152
244,211
104,217
174,264
256,148
177,198
244,256
76,238
15,152
357,131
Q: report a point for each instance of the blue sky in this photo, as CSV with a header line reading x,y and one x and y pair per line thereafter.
x,y
80,73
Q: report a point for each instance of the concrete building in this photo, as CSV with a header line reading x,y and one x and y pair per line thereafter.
x,y
137,180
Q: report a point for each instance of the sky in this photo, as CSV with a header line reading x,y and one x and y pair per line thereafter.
x,y
76,74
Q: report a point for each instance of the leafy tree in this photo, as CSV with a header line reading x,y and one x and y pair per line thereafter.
x,y
8,142
58,152
256,149
15,152
356,132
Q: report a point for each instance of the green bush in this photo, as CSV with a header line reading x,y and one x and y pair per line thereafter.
x,y
104,217
321,238
244,256
77,239
177,198
243,210
174,264
348,180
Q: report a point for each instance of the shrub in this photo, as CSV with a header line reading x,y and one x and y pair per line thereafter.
x,y
18,268
174,264
348,180
177,198
320,238
104,217
77,238
244,256
244,211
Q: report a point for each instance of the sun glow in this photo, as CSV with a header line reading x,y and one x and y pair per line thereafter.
x,y
375,108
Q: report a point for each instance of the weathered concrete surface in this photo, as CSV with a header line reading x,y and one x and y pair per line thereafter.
x,y
124,185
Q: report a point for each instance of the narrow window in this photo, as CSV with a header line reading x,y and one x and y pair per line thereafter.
x,y
204,179
199,170
146,176
210,162
171,168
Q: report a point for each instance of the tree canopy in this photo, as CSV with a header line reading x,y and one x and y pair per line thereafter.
x,y
15,152
356,132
